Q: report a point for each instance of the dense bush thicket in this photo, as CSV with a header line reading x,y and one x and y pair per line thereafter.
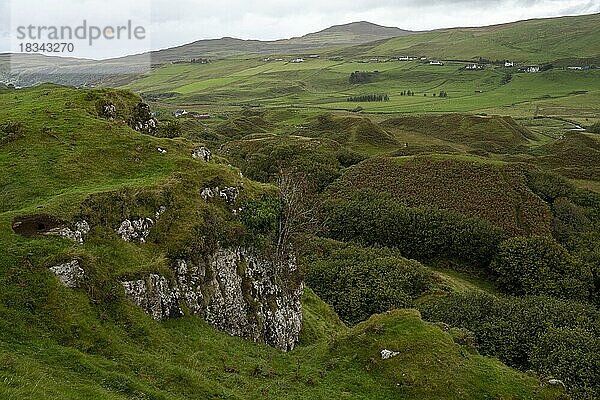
x,y
573,354
576,220
549,186
554,336
490,192
540,266
359,282
376,219
264,160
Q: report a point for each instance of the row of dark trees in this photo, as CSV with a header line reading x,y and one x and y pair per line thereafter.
x,y
368,97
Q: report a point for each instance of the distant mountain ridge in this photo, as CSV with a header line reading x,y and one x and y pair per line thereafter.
x,y
353,33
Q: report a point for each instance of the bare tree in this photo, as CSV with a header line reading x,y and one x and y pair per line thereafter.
x,y
299,211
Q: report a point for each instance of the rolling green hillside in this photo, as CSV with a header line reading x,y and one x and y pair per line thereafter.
x,y
60,158
533,41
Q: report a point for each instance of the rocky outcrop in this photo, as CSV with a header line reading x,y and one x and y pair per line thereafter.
x,y
387,354
155,296
136,230
77,234
70,274
202,153
229,194
108,111
235,290
142,120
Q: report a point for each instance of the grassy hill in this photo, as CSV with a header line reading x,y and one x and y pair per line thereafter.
x,y
532,41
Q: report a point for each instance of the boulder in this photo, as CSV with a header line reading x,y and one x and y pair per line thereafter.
x,y
136,230
387,354
70,274
202,153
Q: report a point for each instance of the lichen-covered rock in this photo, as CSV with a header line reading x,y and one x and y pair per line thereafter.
x,y
141,119
229,194
161,210
136,230
202,153
77,234
70,274
245,294
387,354
155,296
109,111
239,292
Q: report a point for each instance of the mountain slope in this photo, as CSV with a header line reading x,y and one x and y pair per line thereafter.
x,y
335,36
539,40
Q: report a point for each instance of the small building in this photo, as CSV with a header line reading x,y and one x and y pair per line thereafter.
x,y
472,67
435,62
198,115
530,69
508,64
179,113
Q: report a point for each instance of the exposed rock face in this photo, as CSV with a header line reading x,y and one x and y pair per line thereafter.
x,y
236,291
202,153
136,230
229,194
155,296
109,111
70,274
77,234
142,120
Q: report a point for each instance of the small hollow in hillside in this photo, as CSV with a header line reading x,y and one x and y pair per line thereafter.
x,y
34,225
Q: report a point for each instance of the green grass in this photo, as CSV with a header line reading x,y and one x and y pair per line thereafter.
x,y
533,41
93,343
324,85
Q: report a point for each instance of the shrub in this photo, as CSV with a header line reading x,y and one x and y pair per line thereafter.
x,y
422,233
594,128
260,218
539,265
514,329
359,282
170,129
12,130
571,355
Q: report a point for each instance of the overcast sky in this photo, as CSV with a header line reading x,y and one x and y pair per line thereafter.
x,y
174,22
